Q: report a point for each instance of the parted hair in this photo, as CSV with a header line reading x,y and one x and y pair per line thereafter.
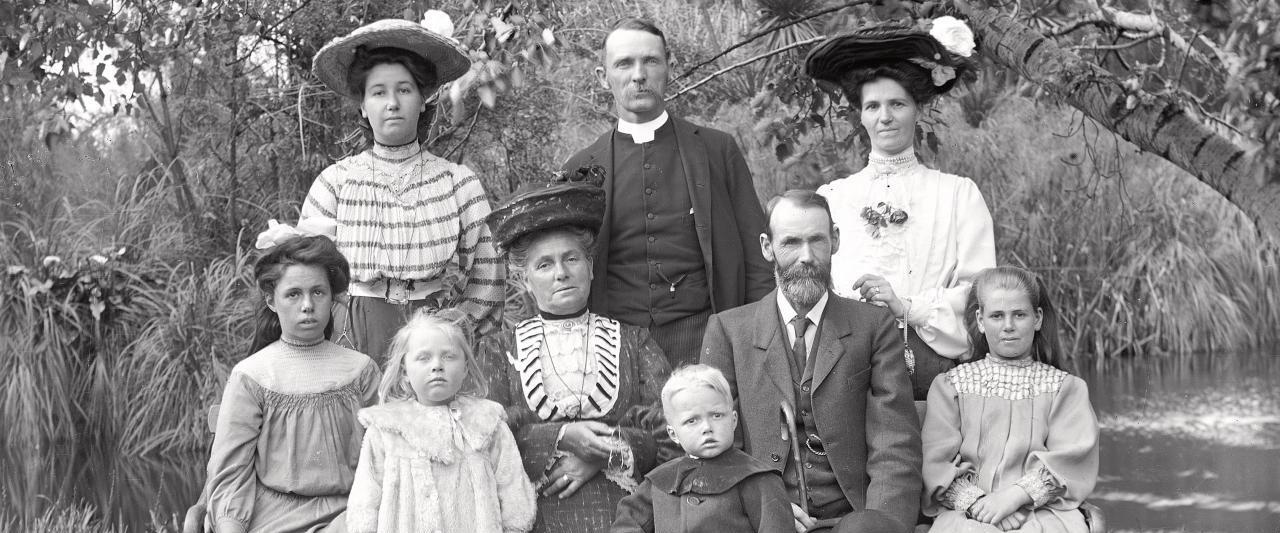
x,y
312,251
917,81
691,376
1047,346
454,324
422,71
518,253
800,198
636,24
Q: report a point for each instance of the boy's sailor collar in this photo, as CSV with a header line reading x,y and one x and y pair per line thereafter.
x,y
643,132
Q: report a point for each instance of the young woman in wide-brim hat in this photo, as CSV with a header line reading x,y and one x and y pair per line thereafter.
x,y
410,223
912,238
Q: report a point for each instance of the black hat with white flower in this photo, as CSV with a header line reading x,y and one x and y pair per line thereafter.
x,y
942,47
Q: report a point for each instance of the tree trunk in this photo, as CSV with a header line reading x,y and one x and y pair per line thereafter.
x,y
1151,122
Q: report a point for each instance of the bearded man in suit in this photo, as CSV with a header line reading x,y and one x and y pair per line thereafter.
x,y
838,363
682,217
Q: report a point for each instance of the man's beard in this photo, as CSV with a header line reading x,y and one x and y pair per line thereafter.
x,y
802,284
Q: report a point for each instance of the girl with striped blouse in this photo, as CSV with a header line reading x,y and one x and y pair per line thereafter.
x,y
411,223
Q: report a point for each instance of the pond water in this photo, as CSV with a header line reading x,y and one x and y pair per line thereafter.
x,y
1189,444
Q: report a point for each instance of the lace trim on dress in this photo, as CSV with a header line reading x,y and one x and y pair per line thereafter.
x,y
1010,381
961,494
1042,486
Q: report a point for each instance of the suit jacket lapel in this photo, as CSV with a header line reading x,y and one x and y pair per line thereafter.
x,y
601,153
697,172
770,355
831,343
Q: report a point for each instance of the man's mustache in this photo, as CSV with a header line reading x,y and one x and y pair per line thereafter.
x,y
804,272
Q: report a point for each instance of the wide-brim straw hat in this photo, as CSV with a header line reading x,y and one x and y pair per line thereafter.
x,y
834,59
332,62
569,199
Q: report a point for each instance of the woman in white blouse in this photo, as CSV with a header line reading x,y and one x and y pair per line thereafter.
x,y
912,237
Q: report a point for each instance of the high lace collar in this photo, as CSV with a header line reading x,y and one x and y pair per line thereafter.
x,y
893,166
398,152
1015,363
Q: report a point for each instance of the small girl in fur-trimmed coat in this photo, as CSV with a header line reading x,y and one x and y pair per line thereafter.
x,y
435,459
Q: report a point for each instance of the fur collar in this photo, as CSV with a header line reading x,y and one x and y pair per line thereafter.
x,y
471,423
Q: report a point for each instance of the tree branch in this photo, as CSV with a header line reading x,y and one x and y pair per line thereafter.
x,y
741,64
764,32
1238,169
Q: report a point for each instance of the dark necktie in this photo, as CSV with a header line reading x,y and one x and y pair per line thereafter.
x,y
799,348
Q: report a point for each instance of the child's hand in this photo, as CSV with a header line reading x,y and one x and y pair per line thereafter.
x,y
802,519
568,475
586,440
997,506
1014,521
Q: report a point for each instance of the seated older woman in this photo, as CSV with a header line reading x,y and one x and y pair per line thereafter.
x,y
582,391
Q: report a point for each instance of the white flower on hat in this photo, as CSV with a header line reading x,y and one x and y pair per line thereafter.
x,y
954,35
548,37
438,22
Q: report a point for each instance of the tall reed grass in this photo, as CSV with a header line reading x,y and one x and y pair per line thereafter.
x,y
112,337
1142,259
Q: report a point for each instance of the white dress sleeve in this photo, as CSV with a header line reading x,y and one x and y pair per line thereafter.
x,y
937,314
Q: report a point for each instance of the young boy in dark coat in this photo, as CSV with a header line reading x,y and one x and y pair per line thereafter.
x,y
714,487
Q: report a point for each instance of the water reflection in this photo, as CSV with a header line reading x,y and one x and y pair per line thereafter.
x,y
124,491
1189,443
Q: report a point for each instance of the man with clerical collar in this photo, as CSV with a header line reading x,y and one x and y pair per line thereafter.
x,y
838,363
682,216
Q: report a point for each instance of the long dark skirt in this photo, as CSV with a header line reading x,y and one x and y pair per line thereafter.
x,y
367,324
928,365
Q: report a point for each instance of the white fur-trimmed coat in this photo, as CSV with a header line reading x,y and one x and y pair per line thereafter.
x,y
449,469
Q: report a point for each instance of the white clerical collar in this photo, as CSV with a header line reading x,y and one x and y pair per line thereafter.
x,y
643,132
788,312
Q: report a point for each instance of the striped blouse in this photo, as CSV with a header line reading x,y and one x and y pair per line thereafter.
x,y
404,213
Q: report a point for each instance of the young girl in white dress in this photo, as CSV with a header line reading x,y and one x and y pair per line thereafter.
x,y
437,456
1010,440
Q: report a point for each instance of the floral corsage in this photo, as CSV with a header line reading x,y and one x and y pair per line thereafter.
x,y
881,216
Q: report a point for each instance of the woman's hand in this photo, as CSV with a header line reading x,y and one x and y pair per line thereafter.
x,y
877,290
999,505
569,474
586,439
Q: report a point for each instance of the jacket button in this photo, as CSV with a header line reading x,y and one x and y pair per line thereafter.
x,y
693,501
775,457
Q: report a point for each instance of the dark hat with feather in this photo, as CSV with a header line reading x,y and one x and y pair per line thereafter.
x,y
941,48
567,199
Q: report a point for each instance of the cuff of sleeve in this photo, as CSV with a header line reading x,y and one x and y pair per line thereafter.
x,y
915,315
559,437
961,494
1042,486
231,525
622,466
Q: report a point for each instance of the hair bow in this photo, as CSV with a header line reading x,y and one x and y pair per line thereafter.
x,y
277,233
